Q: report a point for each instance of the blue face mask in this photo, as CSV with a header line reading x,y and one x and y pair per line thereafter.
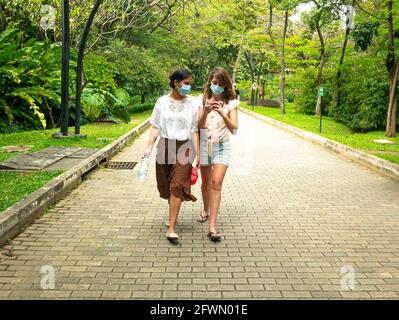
x,y
184,90
216,89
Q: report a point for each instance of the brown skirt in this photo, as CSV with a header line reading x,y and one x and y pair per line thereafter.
x,y
173,168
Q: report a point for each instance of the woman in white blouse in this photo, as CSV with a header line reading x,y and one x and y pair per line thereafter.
x,y
217,119
175,120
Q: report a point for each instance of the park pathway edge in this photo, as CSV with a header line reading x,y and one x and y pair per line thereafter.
x,y
16,218
383,166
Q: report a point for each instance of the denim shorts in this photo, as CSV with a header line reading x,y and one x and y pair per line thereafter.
x,y
220,153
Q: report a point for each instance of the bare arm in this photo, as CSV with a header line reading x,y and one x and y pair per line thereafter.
x,y
195,137
231,120
151,141
203,114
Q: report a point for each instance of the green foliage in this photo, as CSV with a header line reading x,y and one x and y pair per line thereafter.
x,y
322,15
138,108
98,103
363,34
135,68
99,72
102,97
18,185
365,97
92,102
138,70
290,89
29,81
135,100
122,97
306,91
245,89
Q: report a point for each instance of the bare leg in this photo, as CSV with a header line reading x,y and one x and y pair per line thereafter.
x,y
206,176
174,208
218,173
167,224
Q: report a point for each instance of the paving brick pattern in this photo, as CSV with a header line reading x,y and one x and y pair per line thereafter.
x,y
292,215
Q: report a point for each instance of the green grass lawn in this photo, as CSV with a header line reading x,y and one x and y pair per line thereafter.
x,y
16,186
98,136
334,131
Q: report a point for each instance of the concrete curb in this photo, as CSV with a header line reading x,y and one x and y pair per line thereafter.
x,y
17,217
382,166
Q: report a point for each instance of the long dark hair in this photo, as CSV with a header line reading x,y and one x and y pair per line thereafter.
x,y
179,75
223,77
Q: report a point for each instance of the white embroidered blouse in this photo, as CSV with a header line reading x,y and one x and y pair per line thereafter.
x,y
176,119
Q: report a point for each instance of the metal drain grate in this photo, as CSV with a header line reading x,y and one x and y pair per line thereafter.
x,y
118,165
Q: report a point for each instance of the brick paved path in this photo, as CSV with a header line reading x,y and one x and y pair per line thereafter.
x,y
293,214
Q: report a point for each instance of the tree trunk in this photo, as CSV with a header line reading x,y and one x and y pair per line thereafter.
x,y
320,71
393,69
262,96
258,78
237,63
260,67
281,54
251,69
142,98
282,76
338,76
393,105
50,112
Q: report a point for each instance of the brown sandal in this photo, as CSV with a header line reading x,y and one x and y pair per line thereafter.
x,y
214,236
202,218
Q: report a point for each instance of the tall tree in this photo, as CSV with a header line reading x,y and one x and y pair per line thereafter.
x,y
348,27
363,39
393,70
321,17
280,52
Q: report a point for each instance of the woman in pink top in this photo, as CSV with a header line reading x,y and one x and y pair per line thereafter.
x,y
217,119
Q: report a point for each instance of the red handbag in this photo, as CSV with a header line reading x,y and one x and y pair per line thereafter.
x,y
194,175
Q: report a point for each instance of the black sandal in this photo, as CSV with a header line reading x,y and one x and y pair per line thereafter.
x,y
202,218
214,236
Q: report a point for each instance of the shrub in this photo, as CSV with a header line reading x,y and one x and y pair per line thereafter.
x,y
140,71
135,100
305,91
98,103
365,98
137,108
29,82
100,72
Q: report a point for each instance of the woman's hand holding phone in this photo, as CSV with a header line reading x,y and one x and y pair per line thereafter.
x,y
208,107
218,107
213,106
